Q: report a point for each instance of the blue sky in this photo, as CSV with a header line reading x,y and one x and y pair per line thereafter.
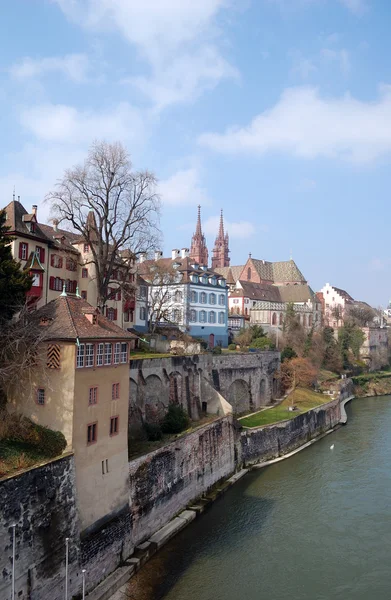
x,y
277,111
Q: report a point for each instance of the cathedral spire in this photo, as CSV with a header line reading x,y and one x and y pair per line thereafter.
x,y
221,250
198,250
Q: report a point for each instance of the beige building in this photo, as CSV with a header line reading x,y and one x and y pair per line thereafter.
x,y
81,387
59,259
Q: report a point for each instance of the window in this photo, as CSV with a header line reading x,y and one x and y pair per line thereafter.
x,y
23,250
70,286
93,395
99,355
124,352
213,280
193,296
310,320
118,294
221,318
111,314
143,291
304,320
203,298
92,433
212,298
108,352
128,316
84,273
84,294
193,316
113,425
281,319
222,300
178,296
105,466
40,252
204,279
249,274
70,264
41,396
90,355
56,283
143,313
115,391
86,248
274,319
53,356
36,279
80,356
117,352
212,317
56,261
202,316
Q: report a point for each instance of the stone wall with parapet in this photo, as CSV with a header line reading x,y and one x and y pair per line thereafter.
x,y
163,482
265,443
246,381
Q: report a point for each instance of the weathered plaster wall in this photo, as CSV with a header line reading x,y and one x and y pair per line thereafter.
x,y
163,482
42,504
272,441
245,380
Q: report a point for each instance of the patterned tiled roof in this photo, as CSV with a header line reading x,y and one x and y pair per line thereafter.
x,y
297,293
278,272
65,319
231,274
258,291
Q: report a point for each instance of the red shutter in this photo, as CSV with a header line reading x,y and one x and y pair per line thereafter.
x,y
60,262
51,283
42,257
52,260
119,295
115,314
20,249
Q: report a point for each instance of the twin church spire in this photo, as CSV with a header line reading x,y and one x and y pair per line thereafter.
x,y
199,250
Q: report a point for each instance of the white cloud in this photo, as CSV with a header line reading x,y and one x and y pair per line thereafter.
x,y
339,56
66,124
357,7
185,78
183,187
306,125
178,38
235,229
74,66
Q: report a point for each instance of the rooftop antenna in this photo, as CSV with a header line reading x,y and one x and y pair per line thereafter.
x,y
13,195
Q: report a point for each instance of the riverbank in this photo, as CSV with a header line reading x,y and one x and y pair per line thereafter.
x,y
255,448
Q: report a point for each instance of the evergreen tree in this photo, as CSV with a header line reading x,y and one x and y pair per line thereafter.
x,y
14,283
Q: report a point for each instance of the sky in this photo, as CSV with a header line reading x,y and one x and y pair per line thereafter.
x,y
276,111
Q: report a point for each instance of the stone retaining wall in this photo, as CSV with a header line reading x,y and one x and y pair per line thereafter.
x,y
271,441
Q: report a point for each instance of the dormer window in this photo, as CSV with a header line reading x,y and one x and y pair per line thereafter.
x,y
31,227
86,248
204,279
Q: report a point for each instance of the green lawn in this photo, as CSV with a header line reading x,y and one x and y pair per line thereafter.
x,y
137,355
325,375
302,398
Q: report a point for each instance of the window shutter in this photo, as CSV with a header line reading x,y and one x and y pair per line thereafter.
x,y
51,283
115,314
52,260
42,256
60,262
20,249
119,295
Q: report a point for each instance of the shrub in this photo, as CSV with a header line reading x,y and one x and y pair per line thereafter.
x,y
288,353
20,429
176,419
263,343
154,432
232,347
51,443
216,350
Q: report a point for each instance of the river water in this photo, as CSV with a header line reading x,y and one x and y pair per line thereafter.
x,y
316,526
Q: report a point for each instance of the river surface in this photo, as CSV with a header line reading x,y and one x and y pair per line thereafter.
x,y
316,526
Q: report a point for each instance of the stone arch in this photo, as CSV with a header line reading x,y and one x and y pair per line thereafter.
x,y
262,391
239,396
175,393
155,407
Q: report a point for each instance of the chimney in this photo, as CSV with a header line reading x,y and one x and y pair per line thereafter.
x,y
55,224
158,254
184,252
142,257
175,254
34,210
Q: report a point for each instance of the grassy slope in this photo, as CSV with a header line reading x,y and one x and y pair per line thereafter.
x,y
302,398
15,456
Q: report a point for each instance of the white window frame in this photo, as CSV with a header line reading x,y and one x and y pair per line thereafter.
x,y
80,356
124,352
106,361
117,353
100,354
89,357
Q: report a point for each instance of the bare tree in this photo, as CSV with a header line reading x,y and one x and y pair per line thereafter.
x,y
163,297
361,314
113,208
336,312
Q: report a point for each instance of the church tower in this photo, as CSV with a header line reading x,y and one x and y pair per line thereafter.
x,y
220,256
198,250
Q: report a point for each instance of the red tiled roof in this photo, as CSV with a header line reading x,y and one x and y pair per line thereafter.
x,y
66,320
